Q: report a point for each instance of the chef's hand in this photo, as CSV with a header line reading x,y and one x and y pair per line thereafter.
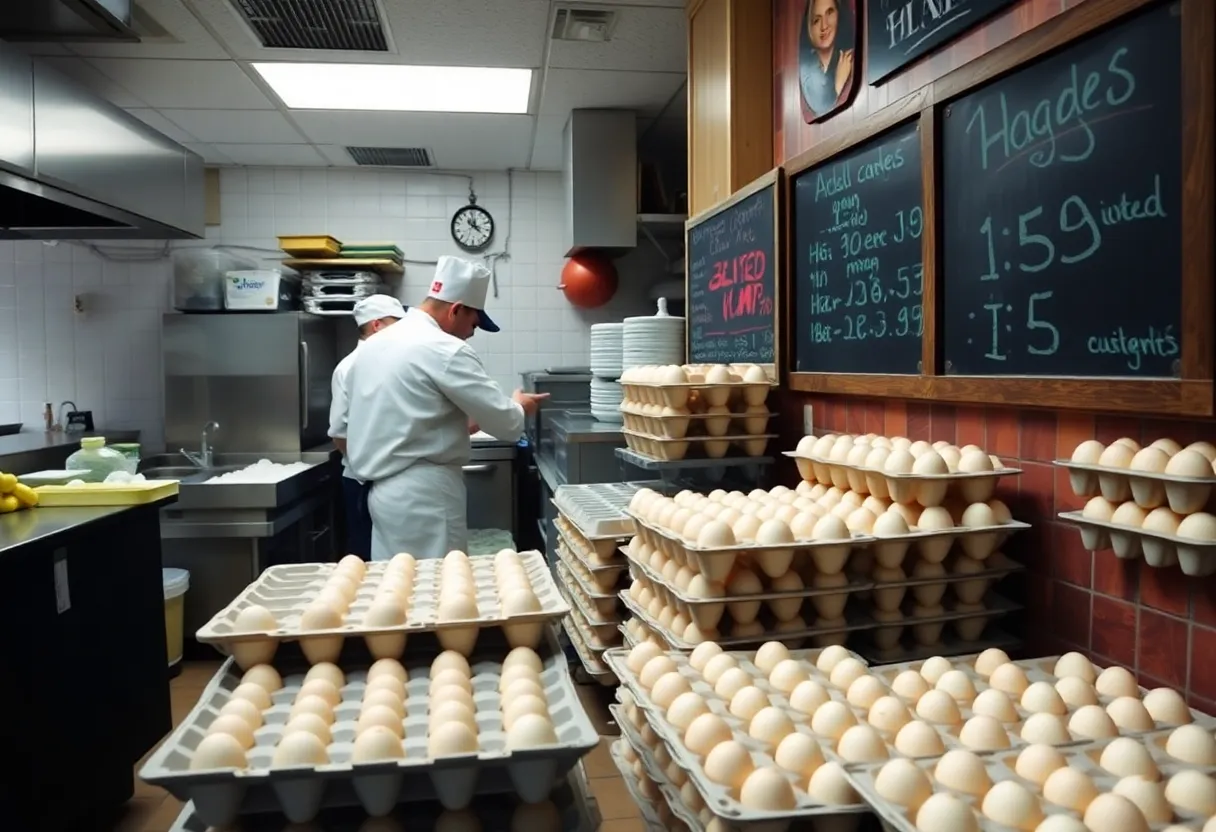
x,y
530,402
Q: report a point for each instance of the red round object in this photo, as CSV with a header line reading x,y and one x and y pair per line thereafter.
x,y
588,280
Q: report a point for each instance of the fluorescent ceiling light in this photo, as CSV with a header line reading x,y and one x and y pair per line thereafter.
x,y
436,89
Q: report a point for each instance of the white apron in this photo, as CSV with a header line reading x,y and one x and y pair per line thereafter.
x,y
421,511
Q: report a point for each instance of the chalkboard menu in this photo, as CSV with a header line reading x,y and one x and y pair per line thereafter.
x,y
1061,208
899,32
857,278
732,281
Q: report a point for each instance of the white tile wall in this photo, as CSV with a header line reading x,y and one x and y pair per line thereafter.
x,y
107,357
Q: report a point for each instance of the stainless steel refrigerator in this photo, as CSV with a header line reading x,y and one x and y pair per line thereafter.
x,y
265,378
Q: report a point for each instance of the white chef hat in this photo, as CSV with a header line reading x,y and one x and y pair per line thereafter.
x,y
375,307
466,282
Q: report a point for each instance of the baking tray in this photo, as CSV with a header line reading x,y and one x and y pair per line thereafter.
x,y
300,792
708,447
596,510
287,590
106,493
1196,558
1184,495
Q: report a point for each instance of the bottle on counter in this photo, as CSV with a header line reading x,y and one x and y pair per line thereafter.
x,y
97,459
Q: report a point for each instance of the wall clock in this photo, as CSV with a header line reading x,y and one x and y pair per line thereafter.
x,y
472,227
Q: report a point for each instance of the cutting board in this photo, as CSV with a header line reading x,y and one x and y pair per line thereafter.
x,y
106,493
330,264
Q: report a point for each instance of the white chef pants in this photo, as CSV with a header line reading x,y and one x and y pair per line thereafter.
x,y
421,511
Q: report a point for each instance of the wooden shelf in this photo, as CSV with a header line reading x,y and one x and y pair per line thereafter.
x,y
336,263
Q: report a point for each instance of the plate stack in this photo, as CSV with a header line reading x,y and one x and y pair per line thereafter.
x,y
658,339
606,394
336,291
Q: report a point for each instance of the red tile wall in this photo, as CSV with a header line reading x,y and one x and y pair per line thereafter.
x,y
1158,622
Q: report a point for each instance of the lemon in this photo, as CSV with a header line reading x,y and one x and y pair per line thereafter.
x,y
25,495
8,504
7,483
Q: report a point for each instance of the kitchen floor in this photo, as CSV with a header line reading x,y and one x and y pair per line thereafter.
x,y
154,810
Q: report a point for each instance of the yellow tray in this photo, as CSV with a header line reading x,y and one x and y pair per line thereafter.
x,y
106,493
378,266
311,245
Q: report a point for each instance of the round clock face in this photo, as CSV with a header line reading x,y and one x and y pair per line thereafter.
x,y
472,228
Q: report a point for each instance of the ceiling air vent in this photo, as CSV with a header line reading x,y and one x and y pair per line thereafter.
x,y
581,24
392,157
345,25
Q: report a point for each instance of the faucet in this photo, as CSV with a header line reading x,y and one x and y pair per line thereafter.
x,y
63,423
203,458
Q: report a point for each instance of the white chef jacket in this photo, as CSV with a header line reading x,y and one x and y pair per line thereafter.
x,y
413,389
339,404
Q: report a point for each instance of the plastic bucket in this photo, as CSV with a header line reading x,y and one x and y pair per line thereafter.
x,y
176,582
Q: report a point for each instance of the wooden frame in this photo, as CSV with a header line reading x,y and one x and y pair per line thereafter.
x,y
1190,395
775,179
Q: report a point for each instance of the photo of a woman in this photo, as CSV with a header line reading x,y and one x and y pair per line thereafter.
x,y
827,42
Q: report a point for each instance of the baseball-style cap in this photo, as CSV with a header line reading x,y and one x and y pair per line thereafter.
x,y
463,281
375,307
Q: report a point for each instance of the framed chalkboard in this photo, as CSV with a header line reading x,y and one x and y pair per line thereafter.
x,y
733,262
899,32
857,278
1061,211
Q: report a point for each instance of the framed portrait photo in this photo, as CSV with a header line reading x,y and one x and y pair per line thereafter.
x,y
829,61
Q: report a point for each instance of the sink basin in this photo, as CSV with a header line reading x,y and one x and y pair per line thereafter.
x,y
186,472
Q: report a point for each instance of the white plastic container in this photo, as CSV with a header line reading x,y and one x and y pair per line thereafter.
x,y
176,582
252,290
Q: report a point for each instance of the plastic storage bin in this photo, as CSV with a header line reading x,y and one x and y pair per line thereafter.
x,y
97,459
176,582
198,278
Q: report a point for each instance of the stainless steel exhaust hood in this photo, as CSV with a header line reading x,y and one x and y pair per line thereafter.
x,y
75,167
71,21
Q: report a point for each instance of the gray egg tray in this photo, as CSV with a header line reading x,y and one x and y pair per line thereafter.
x,y
1037,670
597,510
669,790
600,556
301,792
1196,558
287,590
496,812
605,604
722,802
598,637
593,666
1000,767
646,807
1184,495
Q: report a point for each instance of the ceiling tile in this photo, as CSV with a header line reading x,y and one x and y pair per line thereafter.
x,y
547,148
172,31
452,32
277,155
644,40
458,140
646,92
235,126
158,122
216,85
79,71
210,155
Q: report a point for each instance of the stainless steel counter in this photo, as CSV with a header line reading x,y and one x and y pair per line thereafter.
x,y
575,427
41,525
35,450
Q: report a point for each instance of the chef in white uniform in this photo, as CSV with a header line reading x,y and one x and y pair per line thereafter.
x,y
415,389
372,314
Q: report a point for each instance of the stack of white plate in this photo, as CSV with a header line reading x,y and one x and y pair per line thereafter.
x,y
606,350
658,339
606,397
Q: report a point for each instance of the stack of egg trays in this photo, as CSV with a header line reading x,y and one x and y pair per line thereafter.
x,y
300,792
720,801
1037,670
631,639
602,605
926,489
597,509
646,807
643,419
753,393
709,447
493,812
1000,766
599,555
578,632
603,627
1196,558
669,790
287,590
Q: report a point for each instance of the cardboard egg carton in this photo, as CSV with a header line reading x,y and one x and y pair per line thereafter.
x,y
602,629
716,563
647,807
707,613
1001,766
694,394
590,659
1196,558
695,447
597,510
599,555
286,591
1149,489
655,420
635,630
604,604
668,789
301,791
721,801
926,489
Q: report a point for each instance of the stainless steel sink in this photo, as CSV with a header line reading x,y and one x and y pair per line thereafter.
x,y
197,494
186,473
231,461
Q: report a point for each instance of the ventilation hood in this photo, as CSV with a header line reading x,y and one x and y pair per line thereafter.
x,y
75,167
600,181
71,21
